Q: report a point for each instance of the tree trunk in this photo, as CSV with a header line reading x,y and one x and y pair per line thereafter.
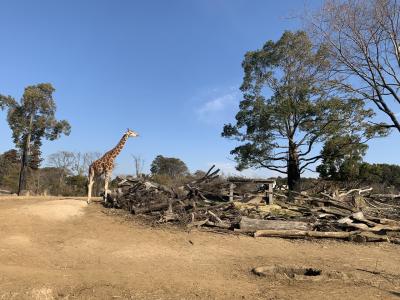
x,y
23,175
24,165
293,169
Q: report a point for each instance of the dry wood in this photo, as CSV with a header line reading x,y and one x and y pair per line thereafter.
x,y
360,191
331,210
248,224
302,234
359,216
363,237
393,196
199,204
150,208
218,224
374,227
334,203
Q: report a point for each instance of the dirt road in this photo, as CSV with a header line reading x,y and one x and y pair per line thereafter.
x,y
64,249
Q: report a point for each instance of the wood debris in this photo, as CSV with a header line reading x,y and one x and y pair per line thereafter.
x,y
356,215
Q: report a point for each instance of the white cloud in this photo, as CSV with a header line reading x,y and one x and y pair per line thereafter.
x,y
219,107
217,104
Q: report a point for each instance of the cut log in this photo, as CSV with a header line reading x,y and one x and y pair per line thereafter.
x,y
150,208
248,224
331,210
222,225
364,227
295,234
334,203
364,237
392,196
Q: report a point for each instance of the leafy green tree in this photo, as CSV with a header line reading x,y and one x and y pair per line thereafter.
x,y
6,101
32,120
341,158
169,166
35,157
9,163
287,108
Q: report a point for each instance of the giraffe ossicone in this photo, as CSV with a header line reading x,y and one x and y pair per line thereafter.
x,y
105,164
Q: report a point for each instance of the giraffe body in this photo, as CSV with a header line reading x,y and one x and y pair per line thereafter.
x,y
105,164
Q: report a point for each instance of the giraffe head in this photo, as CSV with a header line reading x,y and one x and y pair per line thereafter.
x,y
131,133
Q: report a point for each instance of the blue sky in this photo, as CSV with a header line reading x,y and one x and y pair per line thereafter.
x,y
167,69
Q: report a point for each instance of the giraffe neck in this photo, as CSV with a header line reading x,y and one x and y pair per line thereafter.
x,y
117,149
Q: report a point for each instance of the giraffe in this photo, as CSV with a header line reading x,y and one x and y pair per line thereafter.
x,y
105,164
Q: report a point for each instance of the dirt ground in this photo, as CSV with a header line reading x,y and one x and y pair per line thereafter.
x,y
60,248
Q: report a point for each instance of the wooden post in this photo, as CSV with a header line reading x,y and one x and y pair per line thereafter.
x,y
231,186
270,193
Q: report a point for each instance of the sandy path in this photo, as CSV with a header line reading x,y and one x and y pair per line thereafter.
x,y
62,249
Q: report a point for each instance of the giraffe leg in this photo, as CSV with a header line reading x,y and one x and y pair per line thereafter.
x,y
90,184
107,176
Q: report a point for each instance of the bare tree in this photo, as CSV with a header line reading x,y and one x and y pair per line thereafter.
x,y
88,158
363,39
139,164
82,161
77,167
63,161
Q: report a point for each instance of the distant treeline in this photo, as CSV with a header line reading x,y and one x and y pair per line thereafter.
x,y
65,173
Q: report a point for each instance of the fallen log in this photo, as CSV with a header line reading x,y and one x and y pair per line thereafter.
x,y
222,225
293,234
350,223
391,196
359,216
359,191
354,236
364,237
331,210
248,224
150,208
333,202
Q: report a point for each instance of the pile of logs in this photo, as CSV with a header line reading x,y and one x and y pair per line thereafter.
x,y
356,215
191,204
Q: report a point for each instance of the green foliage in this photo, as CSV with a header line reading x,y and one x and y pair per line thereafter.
x,y
384,175
35,115
6,101
35,158
380,173
341,158
169,166
9,170
287,109
342,161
